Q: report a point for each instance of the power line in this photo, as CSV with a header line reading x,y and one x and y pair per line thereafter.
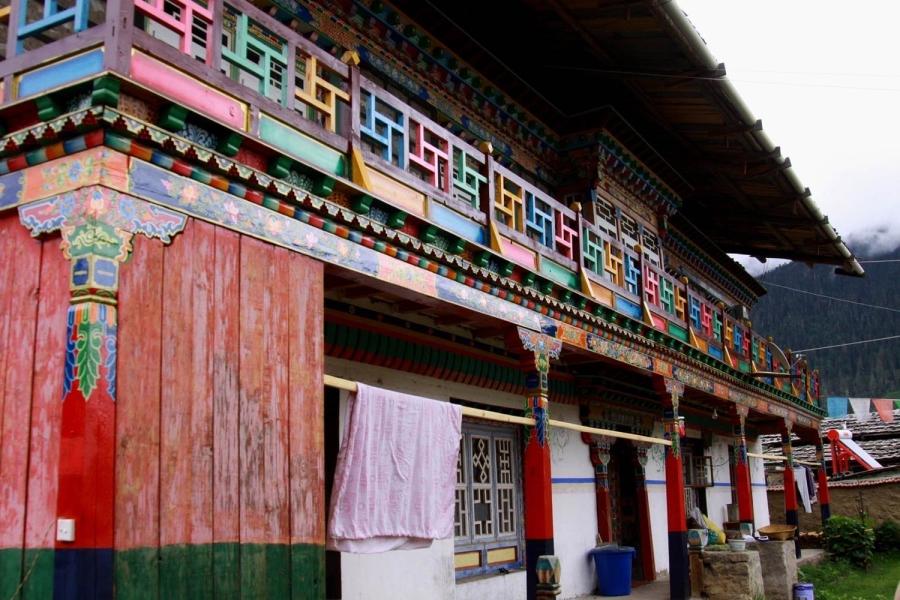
x,y
886,260
881,339
896,310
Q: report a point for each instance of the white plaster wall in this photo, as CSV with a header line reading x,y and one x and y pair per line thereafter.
x,y
656,494
574,505
761,516
412,574
427,573
718,497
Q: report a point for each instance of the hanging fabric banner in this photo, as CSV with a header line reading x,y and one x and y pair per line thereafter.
x,y
885,409
861,408
837,406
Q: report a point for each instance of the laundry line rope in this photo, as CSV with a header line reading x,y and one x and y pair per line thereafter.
x,y
490,415
780,458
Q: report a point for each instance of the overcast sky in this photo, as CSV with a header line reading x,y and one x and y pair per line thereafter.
x,y
824,77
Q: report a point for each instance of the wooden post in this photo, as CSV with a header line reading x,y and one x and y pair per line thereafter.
x,y
600,459
790,488
824,496
538,492
646,558
97,229
679,581
742,472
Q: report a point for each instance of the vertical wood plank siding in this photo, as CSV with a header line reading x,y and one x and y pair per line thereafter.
x,y
33,301
219,474
230,432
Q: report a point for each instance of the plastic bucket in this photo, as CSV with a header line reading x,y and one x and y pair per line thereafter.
x,y
613,565
804,591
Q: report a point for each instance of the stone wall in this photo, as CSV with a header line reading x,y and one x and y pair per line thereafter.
x,y
732,576
881,500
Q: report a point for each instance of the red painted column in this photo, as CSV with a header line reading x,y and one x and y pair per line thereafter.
x,y
824,496
742,473
646,558
679,564
791,516
537,485
600,459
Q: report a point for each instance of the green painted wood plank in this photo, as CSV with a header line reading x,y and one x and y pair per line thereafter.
x,y
186,571
227,570
679,333
137,574
307,572
301,146
558,273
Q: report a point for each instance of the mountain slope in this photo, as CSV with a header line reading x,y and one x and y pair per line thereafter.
x,y
801,321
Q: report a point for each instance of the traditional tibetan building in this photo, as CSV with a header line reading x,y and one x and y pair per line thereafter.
x,y
209,209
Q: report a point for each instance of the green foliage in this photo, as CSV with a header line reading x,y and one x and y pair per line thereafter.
x,y
850,540
798,320
838,580
887,536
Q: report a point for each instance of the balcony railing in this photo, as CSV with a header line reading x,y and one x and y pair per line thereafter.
x,y
243,69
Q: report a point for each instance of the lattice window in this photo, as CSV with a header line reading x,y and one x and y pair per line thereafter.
x,y
539,219
592,251
729,334
506,487
651,286
182,24
667,295
429,154
509,203
461,506
605,214
488,504
384,127
630,232
706,319
45,21
320,94
738,339
717,325
632,274
680,303
254,56
613,264
467,178
745,343
650,244
695,313
566,235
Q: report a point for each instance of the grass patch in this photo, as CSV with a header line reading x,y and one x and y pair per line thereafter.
x,y
838,580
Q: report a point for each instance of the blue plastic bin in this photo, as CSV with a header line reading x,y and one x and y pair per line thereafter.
x,y
613,569
804,591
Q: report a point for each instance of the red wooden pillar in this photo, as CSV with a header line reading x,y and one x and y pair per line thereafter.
x,y
599,447
97,229
646,557
791,516
679,563
824,496
742,473
538,491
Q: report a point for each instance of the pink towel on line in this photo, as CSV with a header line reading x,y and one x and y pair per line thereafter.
x,y
395,477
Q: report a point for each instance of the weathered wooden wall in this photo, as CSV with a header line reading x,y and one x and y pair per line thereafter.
x,y
33,301
219,471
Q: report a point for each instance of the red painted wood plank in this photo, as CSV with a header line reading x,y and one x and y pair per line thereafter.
x,y
277,399
186,395
46,407
19,313
306,398
226,405
259,435
138,403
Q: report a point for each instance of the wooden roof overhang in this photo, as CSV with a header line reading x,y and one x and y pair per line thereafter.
x,y
639,69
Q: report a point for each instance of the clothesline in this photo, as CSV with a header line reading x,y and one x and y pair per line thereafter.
x,y
350,386
780,458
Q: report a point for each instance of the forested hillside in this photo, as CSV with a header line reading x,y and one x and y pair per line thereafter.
x,y
801,321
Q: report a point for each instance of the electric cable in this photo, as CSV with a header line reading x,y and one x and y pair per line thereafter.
x,y
881,339
848,301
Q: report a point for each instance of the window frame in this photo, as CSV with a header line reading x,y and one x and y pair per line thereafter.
x,y
484,543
